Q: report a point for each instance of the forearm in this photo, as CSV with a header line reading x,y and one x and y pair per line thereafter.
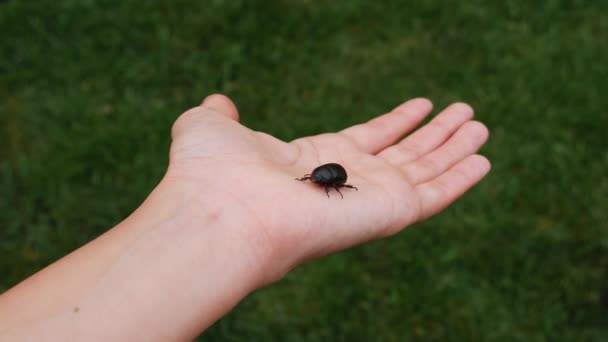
x,y
167,272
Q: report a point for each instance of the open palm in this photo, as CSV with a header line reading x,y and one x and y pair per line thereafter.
x,y
400,181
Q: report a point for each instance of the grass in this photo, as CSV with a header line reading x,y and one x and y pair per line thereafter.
x,y
89,89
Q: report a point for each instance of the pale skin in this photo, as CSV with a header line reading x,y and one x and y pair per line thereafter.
x,y
229,217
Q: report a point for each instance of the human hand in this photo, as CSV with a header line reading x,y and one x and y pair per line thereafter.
x,y
251,175
229,217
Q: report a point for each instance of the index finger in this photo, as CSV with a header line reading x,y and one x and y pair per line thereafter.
x,y
383,131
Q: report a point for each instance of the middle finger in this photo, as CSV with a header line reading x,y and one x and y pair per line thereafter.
x,y
430,136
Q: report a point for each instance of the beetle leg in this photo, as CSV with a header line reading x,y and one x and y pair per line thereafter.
x,y
306,177
327,191
350,186
338,190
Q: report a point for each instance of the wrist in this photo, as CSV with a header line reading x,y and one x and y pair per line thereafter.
x,y
175,266
183,268
238,216
205,212
190,262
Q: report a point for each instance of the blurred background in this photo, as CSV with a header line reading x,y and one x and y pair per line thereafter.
x,y
89,90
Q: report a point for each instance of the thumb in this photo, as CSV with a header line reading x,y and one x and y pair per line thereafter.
x,y
221,104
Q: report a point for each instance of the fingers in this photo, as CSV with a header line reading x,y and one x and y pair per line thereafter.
x,y
440,192
430,136
221,104
383,131
467,140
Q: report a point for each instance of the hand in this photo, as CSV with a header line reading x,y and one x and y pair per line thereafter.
x,y
251,175
229,217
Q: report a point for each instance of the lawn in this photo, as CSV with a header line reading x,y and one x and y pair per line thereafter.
x,y
89,90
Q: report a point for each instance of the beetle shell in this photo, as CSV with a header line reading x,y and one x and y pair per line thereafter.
x,y
329,174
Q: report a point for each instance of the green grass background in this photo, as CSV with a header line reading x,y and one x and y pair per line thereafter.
x,y
89,90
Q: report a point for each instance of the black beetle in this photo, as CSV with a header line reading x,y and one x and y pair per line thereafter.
x,y
330,175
